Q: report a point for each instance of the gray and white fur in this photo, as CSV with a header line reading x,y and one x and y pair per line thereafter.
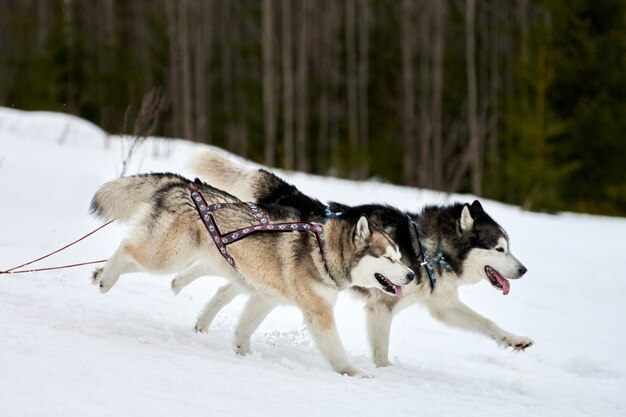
x,y
168,236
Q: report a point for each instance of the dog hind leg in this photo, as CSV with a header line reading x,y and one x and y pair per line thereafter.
x,y
224,295
256,310
120,263
187,276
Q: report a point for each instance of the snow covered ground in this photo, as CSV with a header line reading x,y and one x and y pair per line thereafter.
x,y
66,350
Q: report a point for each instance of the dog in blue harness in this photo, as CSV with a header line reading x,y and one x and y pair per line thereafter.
x,y
446,246
270,250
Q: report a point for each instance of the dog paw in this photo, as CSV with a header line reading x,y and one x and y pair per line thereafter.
x,y
382,363
201,327
105,283
96,276
176,287
352,371
105,287
242,350
518,343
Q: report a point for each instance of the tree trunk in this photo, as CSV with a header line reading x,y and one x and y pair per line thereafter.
x,y
238,132
269,108
483,105
226,28
522,13
141,44
472,111
439,37
43,18
494,94
105,59
287,86
408,92
363,86
202,80
424,170
70,43
325,31
185,62
173,68
352,84
335,97
302,154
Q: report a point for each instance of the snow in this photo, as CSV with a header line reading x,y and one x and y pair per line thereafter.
x,y
66,350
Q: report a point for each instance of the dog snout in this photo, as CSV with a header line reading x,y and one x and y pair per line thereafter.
x,y
522,270
410,276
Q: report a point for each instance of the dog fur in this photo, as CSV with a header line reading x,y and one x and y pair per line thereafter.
x,y
168,235
472,243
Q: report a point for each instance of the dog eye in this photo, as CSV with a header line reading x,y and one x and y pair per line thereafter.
x,y
500,249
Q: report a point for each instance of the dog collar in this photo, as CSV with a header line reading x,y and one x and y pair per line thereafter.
x,y
429,262
329,214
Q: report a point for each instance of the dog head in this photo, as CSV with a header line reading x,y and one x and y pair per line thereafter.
x,y
482,250
376,262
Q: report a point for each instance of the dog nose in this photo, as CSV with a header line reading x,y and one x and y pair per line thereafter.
x,y
522,270
410,276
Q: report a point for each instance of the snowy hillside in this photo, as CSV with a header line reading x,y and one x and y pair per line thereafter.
x,y
66,350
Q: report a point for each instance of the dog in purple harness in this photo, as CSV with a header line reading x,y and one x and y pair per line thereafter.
x,y
305,266
222,240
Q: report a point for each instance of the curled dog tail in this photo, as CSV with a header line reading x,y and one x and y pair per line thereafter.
x,y
216,169
120,199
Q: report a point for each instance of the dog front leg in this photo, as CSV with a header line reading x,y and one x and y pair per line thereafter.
x,y
256,310
378,329
321,324
456,314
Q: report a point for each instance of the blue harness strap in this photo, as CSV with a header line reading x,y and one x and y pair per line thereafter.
x,y
222,240
329,214
429,263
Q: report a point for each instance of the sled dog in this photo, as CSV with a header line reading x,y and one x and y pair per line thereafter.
x,y
168,235
459,243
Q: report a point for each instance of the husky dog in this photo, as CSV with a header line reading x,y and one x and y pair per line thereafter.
x,y
468,243
168,235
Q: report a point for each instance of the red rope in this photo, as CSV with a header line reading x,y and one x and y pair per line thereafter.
x,y
52,267
12,270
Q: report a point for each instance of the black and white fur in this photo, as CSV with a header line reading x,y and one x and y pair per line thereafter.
x,y
475,246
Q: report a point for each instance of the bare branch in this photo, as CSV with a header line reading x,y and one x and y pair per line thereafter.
x,y
145,123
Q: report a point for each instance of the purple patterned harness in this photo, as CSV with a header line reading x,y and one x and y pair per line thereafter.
x,y
222,240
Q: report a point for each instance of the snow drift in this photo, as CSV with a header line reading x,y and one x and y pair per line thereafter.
x,y
67,350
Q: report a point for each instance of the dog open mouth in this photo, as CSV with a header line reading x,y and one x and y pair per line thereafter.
x,y
388,285
497,280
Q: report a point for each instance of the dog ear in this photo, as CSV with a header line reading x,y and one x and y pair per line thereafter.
x,y
466,221
362,232
476,208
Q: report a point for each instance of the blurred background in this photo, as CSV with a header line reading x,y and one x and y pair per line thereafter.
x,y
523,101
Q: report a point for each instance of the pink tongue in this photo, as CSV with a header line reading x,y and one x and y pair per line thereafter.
x,y
398,291
505,284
